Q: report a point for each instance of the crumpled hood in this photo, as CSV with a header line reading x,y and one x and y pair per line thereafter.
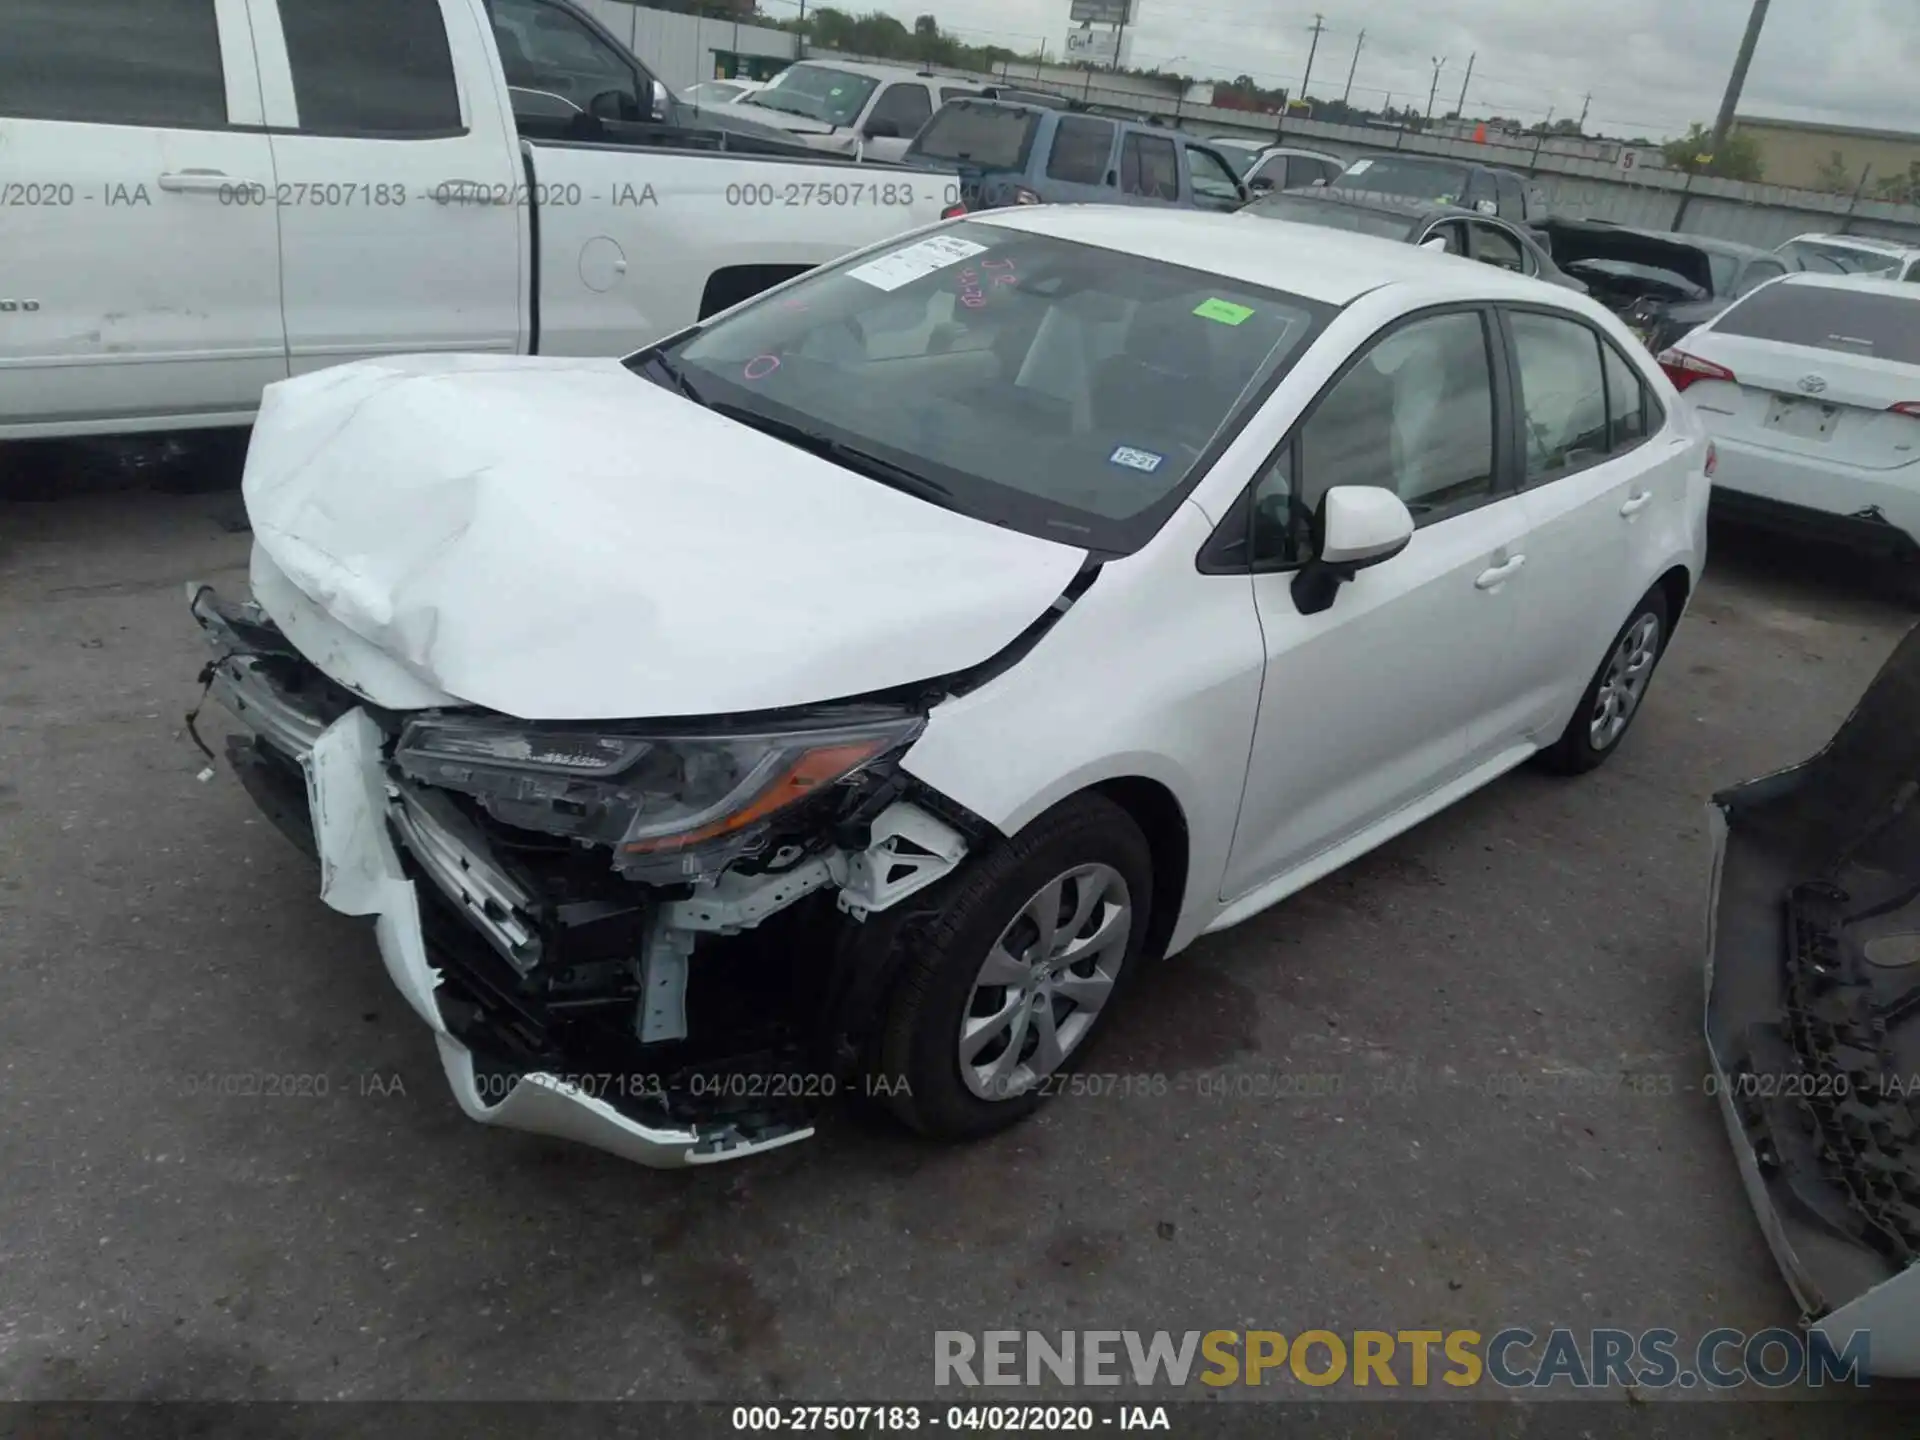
x,y
561,539
767,115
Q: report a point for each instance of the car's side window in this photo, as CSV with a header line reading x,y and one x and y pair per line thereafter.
x,y
372,68
59,61
1414,414
1082,148
1497,247
1631,410
1513,201
1149,167
1563,395
1451,231
556,65
905,105
1758,273
1211,177
1273,171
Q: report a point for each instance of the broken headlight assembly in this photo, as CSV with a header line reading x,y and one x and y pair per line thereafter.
x,y
673,807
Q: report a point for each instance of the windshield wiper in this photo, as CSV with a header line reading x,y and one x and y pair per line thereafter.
x,y
851,457
675,377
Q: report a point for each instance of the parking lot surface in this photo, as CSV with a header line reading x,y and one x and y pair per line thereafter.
x,y
1457,1085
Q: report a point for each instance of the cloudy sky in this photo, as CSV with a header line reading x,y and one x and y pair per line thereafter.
x,y
1651,65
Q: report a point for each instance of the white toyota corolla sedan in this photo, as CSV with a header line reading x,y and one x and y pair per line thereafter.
x,y
852,694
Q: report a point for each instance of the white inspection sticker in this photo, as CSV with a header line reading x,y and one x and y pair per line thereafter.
x,y
923,257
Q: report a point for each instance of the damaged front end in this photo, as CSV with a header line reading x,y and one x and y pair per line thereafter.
x,y
539,891
1813,1015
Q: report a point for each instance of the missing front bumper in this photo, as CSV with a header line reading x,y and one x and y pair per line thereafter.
x,y
323,779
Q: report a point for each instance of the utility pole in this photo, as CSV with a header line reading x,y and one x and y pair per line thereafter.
x,y
1585,106
1120,34
1738,80
800,33
1461,108
1354,68
1307,79
1438,62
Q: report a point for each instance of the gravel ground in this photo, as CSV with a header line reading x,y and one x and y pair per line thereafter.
x,y
1376,1165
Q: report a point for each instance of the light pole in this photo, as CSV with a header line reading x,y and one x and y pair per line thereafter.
x,y
1439,61
1353,69
1738,80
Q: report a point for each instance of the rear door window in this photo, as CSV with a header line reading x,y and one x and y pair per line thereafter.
x,y
1880,326
373,67
1148,167
1082,150
980,133
1563,395
904,105
112,62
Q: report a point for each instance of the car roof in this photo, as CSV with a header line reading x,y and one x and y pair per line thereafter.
x,y
884,72
1409,206
1869,285
1331,266
1877,244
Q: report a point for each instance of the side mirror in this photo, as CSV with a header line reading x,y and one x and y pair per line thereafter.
x,y
611,105
882,130
1438,242
659,103
1357,526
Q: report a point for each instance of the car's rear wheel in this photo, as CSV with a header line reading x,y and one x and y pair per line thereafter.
x,y
1010,982
1613,697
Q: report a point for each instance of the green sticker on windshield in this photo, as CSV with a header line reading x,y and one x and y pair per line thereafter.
x,y
1225,311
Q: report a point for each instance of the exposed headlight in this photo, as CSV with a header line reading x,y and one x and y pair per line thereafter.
x,y
684,805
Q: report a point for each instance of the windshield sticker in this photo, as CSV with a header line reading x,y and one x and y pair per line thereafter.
x,y
922,258
760,366
1225,311
1136,459
1359,167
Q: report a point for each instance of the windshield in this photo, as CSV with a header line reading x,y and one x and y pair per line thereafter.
x,y
1332,216
1418,179
1051,387
978,133
1823,257
1883,327
818,92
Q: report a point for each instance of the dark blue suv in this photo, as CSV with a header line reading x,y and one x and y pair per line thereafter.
x,y
1009,153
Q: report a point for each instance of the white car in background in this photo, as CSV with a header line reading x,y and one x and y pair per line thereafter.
x,y
1263,166
1810,388
850,107
1852,255
857,690
719,92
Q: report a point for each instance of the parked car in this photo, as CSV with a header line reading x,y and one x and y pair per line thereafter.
x,y
1434,178
203,211
1852,255
719,92
1448,228
849,107
1810,388
856,692
1015,154
1263,166
1660,282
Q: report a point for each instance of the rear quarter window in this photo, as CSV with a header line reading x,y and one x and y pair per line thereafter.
x,y
1883,327
1081,149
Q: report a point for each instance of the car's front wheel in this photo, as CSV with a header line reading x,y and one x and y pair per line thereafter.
x,y
1008,985
1613,696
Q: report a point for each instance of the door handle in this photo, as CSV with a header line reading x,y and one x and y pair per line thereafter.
x,y
1637,503
198,180
1499,574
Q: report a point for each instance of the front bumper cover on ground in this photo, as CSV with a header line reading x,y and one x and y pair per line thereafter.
x,y
355,810
1813,1015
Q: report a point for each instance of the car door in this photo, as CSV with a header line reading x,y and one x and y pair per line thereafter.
x,y
1387,696
897,114
1212,182
1079,166
403,205
1589,470
1149,169
139,280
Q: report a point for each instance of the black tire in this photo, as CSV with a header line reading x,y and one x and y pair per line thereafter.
x,y
916,1064
1575,753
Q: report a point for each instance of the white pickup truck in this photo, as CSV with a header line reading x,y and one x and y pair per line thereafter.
x,y
200,198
